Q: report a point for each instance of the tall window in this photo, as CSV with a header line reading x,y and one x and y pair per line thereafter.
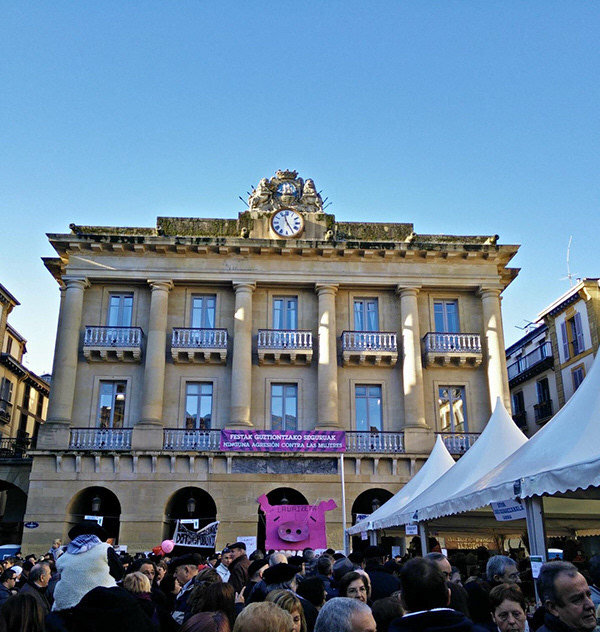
x,y
111,404
446,316
203,311
452,406
578,374
367,399
366,314
120,310
198,405
284,407
285,312
543,390
518,402
572,336
6,389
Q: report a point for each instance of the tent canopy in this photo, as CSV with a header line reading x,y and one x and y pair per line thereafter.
x,y
499,439
438,463
563,456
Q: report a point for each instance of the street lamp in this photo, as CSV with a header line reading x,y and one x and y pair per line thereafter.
x,y
375,504
96,502
191,505
284,501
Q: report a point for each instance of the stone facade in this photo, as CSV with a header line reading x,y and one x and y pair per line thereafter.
x,y
208,324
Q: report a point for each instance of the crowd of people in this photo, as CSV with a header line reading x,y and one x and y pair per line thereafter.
x,y
86,587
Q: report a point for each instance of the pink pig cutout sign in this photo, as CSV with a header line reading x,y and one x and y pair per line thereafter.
x,y
295,527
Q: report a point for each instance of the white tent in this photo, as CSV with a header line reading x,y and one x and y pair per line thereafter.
x,y
499,439
438,463
563,456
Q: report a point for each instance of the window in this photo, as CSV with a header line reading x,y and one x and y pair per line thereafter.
x,y
120,310
452,406
518,402
367,399
543,390
203,311
111,405
446,316
285,312
198,405
366,314
284,407
578,374
6,389
9,344
572,336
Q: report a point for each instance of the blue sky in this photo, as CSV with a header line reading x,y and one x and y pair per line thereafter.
x,y
461,117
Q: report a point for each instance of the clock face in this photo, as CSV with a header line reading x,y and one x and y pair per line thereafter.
x,y
287,223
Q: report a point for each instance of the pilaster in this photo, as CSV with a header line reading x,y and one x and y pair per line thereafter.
x,y
327,371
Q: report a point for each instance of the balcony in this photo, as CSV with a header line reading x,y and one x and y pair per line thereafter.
x,y
206,346
383,442
520,418
531,364
5,411
284,346
377,348
14,447
191,440
112,344
112,439
444,349
458,442
543,411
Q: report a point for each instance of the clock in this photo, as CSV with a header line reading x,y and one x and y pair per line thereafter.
x,y
287,223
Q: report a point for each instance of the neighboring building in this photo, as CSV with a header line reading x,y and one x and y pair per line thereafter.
x,y
23,406
547,365
283,319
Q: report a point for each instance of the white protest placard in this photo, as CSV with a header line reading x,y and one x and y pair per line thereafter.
x,y
98,519
536,565
249,541
508,510
411,529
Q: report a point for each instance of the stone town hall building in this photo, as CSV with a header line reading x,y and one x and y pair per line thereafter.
x,y
282,319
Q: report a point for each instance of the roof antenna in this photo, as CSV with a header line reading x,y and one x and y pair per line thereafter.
x,y
569,274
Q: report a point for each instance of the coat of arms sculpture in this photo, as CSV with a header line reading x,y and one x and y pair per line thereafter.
x,y
286,190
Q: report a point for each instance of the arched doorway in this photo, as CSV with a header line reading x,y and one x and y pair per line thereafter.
x,y
189,503
96,501
365,504
279,496
13,501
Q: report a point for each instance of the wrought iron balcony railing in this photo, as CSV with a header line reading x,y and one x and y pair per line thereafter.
x,y
113,344
14,447
458,442
539,357
520,418
100,439
199,338
5,411
543,410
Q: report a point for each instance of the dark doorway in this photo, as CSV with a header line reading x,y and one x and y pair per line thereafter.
x,y
365,504
96,501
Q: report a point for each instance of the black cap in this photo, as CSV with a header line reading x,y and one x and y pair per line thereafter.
x,y
256,566
191,559
279,573
88,527
237,545
373,552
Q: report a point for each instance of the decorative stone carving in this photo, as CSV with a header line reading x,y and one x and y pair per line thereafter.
x,y
285,190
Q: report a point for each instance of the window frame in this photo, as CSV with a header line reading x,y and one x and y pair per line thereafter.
x,y
199,396
95,398
285,385
203,295
368,385
467,406
115,384
580,368
539,389
120,309
365,300
6,385
286,298
446,328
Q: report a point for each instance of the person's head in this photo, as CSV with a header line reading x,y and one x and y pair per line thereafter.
x,y
288,601
508,608
325,566
145,566
501,569
137,583
385,611
566,595
423,586
280,576
256,569
207,622
354,585
345,615
226,556
308,554
17,570
185,568
374,555
238,549
214,597
40,575
23,612
441,561
456,577
341,568
313,590
8,579
57,544
277,558
161,570
264,616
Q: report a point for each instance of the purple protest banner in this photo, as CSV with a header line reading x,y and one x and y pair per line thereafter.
x,y
283,440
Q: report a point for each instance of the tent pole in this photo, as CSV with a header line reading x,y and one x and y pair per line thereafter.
x,y
373,537
423,536
536,529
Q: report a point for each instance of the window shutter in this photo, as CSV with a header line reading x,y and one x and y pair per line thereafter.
x,y
578,332
565,340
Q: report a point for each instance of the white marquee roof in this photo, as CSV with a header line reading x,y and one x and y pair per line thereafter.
x,y
499,439
563,456
438,463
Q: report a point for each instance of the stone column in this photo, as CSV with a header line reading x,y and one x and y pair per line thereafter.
x,y
327,376
241,365
494,344
55,432
154,366
412,367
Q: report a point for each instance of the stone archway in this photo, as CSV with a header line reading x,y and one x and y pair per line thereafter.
x,y
367,503
188,503
13,501
278,496
96,501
